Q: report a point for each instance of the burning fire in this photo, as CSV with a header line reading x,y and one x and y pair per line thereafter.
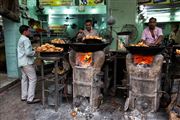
x,y
85,59
140,59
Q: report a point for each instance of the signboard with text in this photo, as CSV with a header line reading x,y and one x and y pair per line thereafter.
x,y
56,2
91,2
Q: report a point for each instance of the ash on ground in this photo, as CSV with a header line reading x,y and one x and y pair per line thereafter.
x,y
112,109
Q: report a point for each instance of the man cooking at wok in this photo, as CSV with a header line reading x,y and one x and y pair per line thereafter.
x,y
152,35
99,56
89,31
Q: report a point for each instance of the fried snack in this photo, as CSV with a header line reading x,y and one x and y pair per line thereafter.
x,y
177,51
92,37
58,41
48,48
140,44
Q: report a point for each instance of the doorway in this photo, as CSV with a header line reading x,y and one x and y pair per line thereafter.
x,y
3,67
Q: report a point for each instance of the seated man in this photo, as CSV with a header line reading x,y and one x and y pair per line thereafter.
x,y
152,35
175,34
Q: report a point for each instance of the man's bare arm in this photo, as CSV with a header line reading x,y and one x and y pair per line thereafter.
x,y
158,41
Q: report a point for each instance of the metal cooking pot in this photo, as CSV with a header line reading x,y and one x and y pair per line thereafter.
x,y
152,50
82,47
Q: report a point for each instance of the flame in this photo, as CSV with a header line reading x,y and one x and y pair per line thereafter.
x,y
140,59
85,59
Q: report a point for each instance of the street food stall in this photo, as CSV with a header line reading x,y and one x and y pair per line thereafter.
x,y
139,72
106,76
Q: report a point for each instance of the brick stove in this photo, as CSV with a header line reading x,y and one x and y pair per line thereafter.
x,y
144,74
87,79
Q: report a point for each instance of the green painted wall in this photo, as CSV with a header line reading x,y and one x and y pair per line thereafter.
x,y
31,4
11,35
32,8
140,28
124,12
76,19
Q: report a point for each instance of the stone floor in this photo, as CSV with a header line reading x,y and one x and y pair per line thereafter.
x,y
12,108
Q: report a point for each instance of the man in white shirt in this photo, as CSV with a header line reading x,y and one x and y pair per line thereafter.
x,y
25,62
152,35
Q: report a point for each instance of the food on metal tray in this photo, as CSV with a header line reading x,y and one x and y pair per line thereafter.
x,y
58,41
92,37
48,48
140,44
178,51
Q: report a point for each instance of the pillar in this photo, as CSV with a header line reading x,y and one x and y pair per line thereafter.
x,y
11,35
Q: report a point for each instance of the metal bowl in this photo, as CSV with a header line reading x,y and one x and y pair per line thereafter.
x,y
152,50
92,41
51,54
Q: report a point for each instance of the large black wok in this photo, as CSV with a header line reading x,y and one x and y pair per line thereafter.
x,y
65,46
176,47
51,54
92,41
151,50
82,47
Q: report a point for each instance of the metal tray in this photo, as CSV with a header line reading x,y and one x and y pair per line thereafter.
x,y
153,50
81,47
51,54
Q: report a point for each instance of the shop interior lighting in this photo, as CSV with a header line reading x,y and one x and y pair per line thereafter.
x,y
141,7
49,19
67,11
163,19
177,13
51,11
177,18
94,10
159,14
159,19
